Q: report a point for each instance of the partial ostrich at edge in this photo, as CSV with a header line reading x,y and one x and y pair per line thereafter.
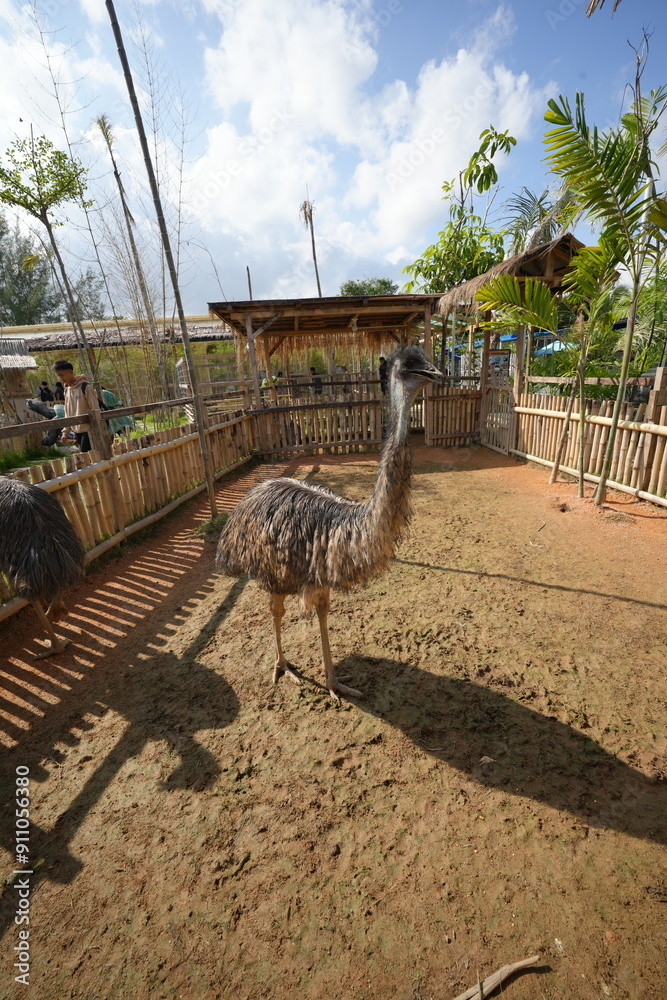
x,y
297,538
40,552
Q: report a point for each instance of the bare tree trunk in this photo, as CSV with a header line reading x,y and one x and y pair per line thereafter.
x,y
198,404
143,288
582,424
317,273
73,309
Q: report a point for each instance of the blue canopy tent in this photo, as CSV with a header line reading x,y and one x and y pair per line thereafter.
x,y
556,345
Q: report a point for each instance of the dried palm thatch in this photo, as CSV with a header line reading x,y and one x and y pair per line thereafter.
x,y
529,263
598,4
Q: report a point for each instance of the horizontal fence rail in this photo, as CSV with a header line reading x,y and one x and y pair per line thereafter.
x,y
144,478
639,461
106,500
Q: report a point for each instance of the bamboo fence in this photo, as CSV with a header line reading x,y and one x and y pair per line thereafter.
x,y
454,416
109,498
639,462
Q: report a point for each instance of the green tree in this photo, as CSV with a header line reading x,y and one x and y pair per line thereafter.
x,y
611,175
369,286
38,179
27,295
467,246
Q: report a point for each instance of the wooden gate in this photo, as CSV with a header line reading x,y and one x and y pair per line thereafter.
x,y
452,413
497,422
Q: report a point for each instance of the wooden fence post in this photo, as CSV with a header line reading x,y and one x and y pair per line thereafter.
x,y
657,398
428,388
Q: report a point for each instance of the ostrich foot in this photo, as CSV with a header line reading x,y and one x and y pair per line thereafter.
x,y
287,668
338,688
56,647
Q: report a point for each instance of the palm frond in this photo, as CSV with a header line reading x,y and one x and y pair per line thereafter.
x,y
530,302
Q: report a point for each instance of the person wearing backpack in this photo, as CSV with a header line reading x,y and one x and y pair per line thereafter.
x,y
80,399
45,393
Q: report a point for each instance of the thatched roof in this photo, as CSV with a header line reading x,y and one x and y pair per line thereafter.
x,y
549,262
14,355
294,324
59,336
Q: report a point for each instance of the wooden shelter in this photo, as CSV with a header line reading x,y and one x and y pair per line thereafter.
x,y
289,325
15,363
548,262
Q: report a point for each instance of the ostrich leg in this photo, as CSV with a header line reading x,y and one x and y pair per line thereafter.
x,y
321,603
282,666
57,645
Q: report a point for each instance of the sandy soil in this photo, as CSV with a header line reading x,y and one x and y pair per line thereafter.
x,y
501,789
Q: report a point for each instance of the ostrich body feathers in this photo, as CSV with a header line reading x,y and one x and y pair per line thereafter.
x,y
40,552
296,538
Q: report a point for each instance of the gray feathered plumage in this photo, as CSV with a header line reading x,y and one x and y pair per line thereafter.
x,y
293,537
40,552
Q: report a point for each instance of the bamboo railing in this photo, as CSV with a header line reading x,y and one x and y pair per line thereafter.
x,y
107,500
454,416
143,479
532,428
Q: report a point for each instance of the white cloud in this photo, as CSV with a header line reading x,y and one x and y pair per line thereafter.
x,y
295,85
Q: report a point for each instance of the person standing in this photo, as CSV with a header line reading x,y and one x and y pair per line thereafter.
x,y
382,370
117,425
80,399
59,393
45,393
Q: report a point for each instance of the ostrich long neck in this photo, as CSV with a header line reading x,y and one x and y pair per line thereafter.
x,y
388,509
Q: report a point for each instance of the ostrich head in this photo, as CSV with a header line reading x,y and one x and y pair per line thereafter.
x,y
409,370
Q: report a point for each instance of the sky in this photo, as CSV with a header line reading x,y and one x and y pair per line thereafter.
x,y
363,107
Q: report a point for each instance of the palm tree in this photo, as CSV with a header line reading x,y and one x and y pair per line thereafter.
x,y
611,176
588,285
306,211
534,219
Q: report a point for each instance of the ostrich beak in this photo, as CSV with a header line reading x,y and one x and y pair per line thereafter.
x,y
429,372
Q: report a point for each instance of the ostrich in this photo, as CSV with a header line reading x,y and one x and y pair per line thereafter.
x,y
40,552
297,538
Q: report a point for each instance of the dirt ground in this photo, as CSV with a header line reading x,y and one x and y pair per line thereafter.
x,y
500,791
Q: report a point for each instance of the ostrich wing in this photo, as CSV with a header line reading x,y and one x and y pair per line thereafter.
x,y
289,535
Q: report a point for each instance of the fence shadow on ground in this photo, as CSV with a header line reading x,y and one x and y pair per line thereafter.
x,y
535,583
528,754
165,698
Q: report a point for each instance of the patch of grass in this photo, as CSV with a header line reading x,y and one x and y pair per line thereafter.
x,y
10,460
212,527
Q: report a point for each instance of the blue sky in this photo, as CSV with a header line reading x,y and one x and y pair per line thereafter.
x,y
368,105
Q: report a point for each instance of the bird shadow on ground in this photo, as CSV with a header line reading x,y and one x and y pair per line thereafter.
x,y
503,744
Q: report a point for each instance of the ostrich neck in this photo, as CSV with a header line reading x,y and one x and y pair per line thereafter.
x,y
389,506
